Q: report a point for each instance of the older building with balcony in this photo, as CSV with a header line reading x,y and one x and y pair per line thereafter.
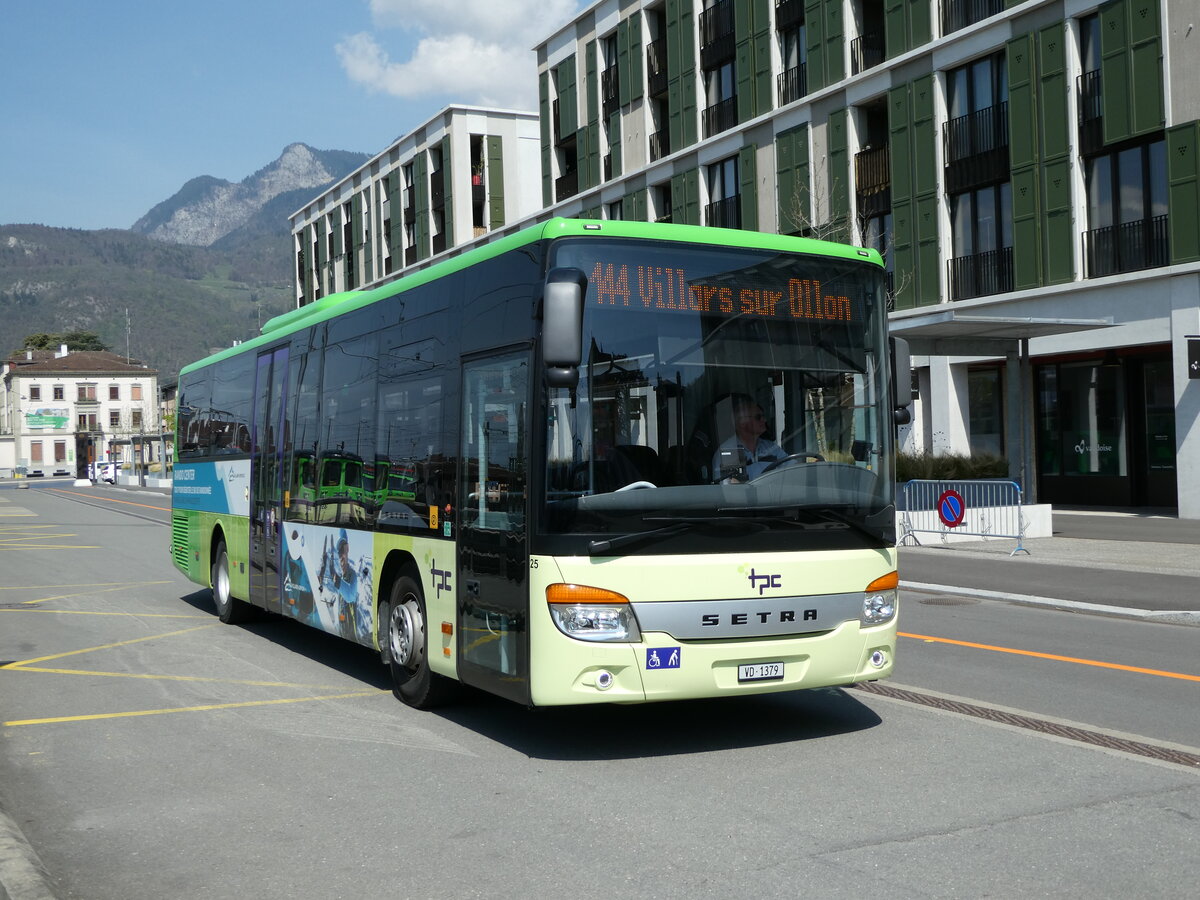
x,y
62,410
459,176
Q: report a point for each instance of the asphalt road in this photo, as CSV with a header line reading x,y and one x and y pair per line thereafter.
x,y
146,751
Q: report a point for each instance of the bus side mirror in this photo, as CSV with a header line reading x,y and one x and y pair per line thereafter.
x,y
901,381
562,326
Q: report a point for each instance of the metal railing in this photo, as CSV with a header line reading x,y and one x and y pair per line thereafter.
x,y
660,144
981,508
981,274
720,116
1142,244
656,67
792,84
725,213
958,14
867,51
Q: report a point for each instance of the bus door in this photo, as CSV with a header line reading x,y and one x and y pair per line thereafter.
x,y
493,505
266,478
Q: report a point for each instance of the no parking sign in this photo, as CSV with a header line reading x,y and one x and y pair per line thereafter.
x,y
951,508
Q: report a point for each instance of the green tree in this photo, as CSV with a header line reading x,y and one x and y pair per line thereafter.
x,y
75,340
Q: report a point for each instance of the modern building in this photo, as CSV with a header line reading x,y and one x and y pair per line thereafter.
x,y
61,410
1030,171
454,179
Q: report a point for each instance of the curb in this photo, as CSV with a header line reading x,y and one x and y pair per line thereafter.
x,y
22,875
1165,616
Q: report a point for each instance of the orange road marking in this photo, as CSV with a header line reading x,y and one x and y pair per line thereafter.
x,y
110,499
1053,656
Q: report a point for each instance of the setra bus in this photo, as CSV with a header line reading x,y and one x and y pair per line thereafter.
x,y
588,462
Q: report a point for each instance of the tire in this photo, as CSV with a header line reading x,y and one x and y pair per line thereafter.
x,y
404,645
230,610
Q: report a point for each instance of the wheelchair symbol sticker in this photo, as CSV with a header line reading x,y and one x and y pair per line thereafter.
x,y
662,658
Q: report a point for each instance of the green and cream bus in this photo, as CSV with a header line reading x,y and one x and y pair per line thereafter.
x,y
589,462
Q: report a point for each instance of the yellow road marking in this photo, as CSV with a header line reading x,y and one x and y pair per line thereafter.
x,y
47,587
1053,656
54,547
152,637
110,499
89,612
184,709
149,677
84,593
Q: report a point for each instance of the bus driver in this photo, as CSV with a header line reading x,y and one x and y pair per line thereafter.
x,y
745,454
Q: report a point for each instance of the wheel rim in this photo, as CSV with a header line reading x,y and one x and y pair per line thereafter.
x,y
406,633
221,582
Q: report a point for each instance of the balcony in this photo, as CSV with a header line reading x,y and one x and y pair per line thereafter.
x,y
792,84
867,51
1091,113
656,67
1128,247
660,144
725,213
976,148
981,275
717,41
789,14
567,185
873,181
610,90
958,14
720,117
437,189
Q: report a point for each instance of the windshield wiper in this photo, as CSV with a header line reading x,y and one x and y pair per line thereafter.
x,y
678,525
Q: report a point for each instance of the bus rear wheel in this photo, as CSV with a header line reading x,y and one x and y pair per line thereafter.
x,y
230,610
407,648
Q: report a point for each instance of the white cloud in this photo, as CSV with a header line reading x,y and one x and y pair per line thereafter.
x,y
469,51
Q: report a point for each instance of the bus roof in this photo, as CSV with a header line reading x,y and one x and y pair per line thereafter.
x,y
335,304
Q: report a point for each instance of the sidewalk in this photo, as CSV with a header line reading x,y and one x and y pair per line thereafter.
x,y
1097,561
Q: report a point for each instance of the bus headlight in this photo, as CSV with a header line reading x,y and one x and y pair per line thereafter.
x,y
879,600
592,614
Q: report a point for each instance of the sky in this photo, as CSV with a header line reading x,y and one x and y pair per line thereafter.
x,y
108,107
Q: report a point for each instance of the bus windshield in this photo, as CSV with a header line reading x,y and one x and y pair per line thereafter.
x,y
724,394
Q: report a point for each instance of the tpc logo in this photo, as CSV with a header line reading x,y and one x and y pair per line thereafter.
x,y
762,582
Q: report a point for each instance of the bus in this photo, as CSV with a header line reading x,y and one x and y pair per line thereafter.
x,y
592,461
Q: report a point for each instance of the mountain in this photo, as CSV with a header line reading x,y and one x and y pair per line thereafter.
x,y
197,272
207,209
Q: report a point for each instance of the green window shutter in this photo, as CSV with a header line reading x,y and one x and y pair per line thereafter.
x,y
920,23
593,82
814,29
681,73
1114,72
928,269
744,72
678,200
421,226
544,116
637,75
495,181
1183,187
395,191
1022,102
447,185
895,27
690,118
338,249
1057,232
1053,124
568,97
924,131
793,193
835,65
748,186
904,252
900,142
838,189
685,197
640,207
614,143
322,246
356,216
623,74
1145,66
1027,238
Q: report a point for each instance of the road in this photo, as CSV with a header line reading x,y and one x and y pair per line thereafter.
x,y
147,751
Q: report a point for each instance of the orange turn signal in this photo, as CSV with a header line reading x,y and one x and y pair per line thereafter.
x,y
581,593
888,582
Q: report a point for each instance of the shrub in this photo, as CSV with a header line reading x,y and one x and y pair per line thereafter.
x,y
950,466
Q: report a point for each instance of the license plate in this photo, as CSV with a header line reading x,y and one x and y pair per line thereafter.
x,y
768,671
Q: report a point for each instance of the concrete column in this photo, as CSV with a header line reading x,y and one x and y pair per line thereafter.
x,y
1185,320
948,407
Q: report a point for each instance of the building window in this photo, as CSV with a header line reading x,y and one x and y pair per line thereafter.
x,y
59,392
35,452
114,392
86,422
1081,420
35,392
136,421
793,51
957,14
724,206
616,210
878,233
720,93
114,419
60,451
1127,210
663,209
610,85
87,392
136,392
976,135
985,393
981,225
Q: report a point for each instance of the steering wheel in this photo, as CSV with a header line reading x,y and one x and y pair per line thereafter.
x,y
803,455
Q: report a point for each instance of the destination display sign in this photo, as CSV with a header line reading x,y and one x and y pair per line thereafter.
x,y
749,292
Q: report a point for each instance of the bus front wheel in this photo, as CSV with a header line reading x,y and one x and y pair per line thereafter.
x,y
408,649
230,610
